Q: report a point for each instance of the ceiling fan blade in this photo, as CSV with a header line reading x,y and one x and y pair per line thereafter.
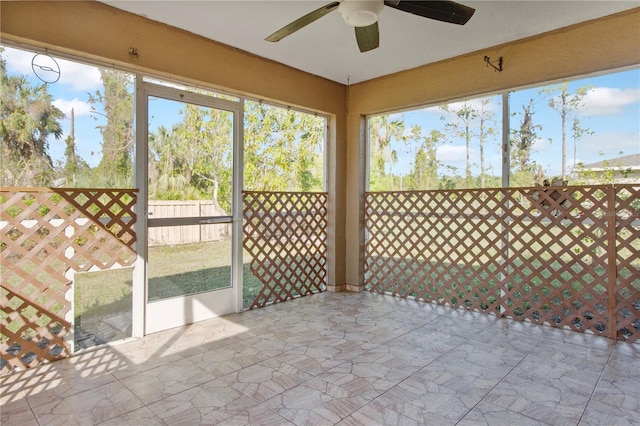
x,y
302,22
368,37
445,11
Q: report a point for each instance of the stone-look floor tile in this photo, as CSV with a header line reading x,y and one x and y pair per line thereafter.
x,y
100,359
569,353
316,402
316,358
140,417
559,335
372,373
593,416
214,402
11,390
464,378
578,378
266,379
485,414
339,358
166,380
459,325
480,359
428,402
17,413
219,362
417,318
56,384
624,364
422,344
374,414
145,358
556,405
616,396
519,336
89,407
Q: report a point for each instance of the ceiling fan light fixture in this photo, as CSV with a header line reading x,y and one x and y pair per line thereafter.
x,y
361,13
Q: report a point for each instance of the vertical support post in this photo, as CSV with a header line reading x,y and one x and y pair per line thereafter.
x,y
237,205
139,285
506,174
612,267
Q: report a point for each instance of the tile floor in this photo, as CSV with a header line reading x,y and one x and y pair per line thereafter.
x,y
346,359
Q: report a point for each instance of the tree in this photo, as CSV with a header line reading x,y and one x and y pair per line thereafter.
x,y
282,149
486,130
27,119
426,164
74,166
567,105
381,132
577,133
461,128
522,141
115,105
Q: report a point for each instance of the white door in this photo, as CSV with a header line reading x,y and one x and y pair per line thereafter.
x,y
193,207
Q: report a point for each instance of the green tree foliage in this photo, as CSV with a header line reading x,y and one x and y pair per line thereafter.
x,y
486,130
472,121
194,159
207,152
524,171
382,131
27,119
115,105
282,149
567,105
425,166
462,128
75,169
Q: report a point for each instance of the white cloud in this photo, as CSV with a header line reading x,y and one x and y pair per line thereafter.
x,y
448,153
613,143
609,101
76,76
80,108
475,105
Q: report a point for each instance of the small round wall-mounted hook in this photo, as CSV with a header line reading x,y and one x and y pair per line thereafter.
x,y
133,53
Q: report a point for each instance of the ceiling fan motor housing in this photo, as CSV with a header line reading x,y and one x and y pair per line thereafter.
x,y
361,13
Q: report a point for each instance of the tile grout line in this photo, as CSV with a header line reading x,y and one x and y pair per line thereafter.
x,y
596,385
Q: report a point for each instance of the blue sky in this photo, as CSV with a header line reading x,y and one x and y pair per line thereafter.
x,y
611,111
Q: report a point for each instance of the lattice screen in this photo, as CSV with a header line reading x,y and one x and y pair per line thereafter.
x,y
285,233
566,257
45,233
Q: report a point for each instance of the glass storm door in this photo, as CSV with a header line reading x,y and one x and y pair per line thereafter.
x,y
192,217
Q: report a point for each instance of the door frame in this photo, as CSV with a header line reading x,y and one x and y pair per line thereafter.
x,y
199,306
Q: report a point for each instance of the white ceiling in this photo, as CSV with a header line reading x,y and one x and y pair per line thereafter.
x,y
328,48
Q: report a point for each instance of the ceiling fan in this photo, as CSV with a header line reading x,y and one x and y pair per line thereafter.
x,y
363,16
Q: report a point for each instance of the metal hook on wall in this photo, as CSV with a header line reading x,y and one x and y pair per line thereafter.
x,y
493,65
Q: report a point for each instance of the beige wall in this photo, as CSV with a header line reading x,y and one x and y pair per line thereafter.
x,y
95,31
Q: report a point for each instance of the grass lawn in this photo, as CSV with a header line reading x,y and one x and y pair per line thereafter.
x,y
173,271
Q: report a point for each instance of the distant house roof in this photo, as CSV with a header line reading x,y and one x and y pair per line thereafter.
x,y
631,162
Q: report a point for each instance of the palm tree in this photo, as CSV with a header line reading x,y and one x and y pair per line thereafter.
x,y
27,119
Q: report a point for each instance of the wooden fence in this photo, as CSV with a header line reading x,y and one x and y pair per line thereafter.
x,y
173,235
44,234
564,256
